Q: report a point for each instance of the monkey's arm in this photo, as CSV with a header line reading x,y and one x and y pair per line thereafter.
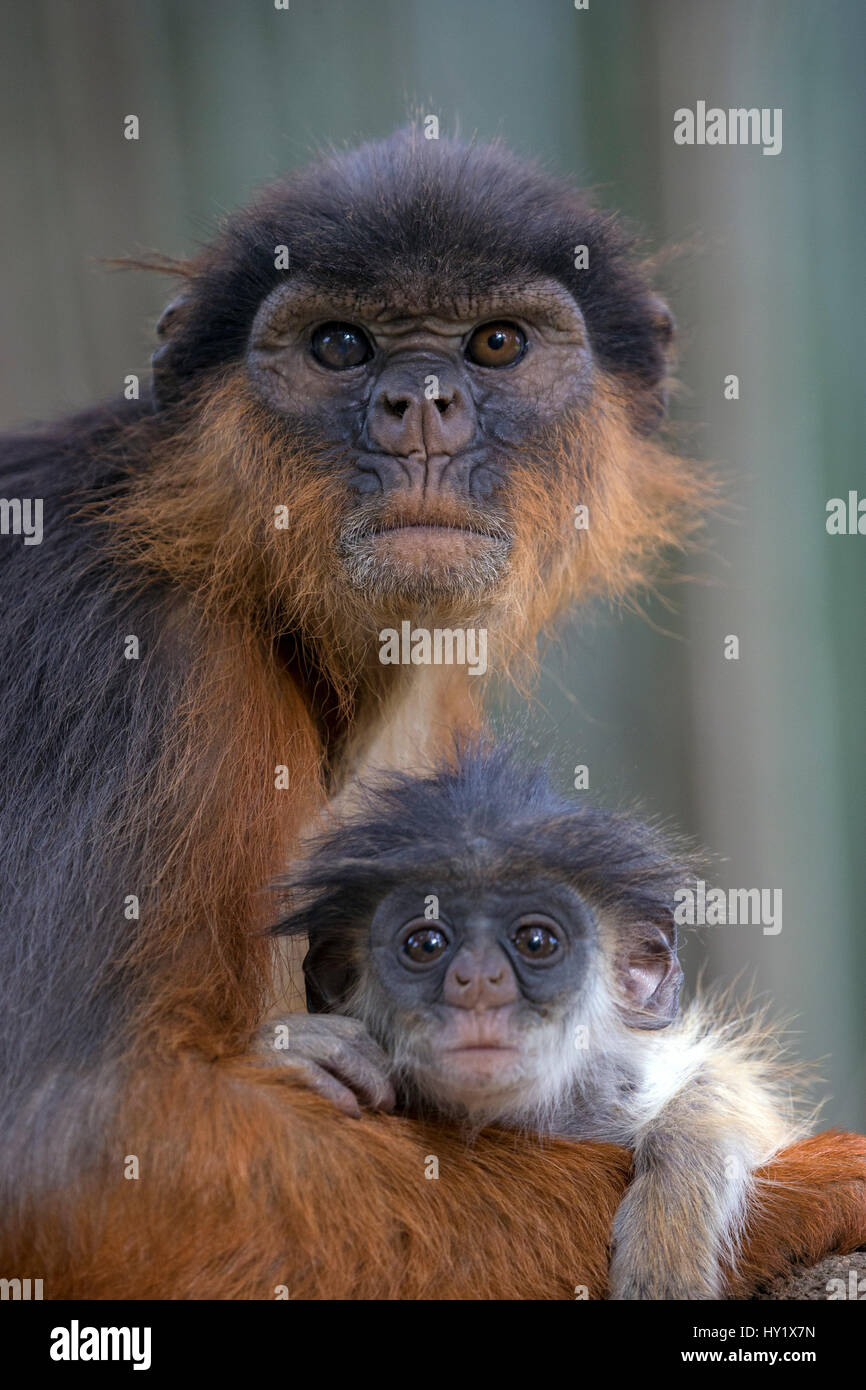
x,y
673,1223
682,1217
803,1207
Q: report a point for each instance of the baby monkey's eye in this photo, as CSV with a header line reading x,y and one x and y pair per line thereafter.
x,y
425,944
536,940
340,345
496,345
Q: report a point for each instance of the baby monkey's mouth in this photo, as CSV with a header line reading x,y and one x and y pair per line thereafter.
x,y
476,1071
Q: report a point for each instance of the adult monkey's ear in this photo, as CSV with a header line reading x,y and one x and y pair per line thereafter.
x,y
663,322
164,382
649,974
664,330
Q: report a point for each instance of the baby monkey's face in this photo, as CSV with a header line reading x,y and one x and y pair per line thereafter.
x,y
477,985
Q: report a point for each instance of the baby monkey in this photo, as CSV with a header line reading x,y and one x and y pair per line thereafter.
x,y
486,951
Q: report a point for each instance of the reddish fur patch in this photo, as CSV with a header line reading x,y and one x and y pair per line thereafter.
x,y
811,1203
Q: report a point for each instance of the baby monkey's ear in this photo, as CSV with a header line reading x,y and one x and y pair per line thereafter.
x,y
330,970
653,403
649,974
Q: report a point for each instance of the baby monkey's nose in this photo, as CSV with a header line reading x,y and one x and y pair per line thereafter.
x,y
480,979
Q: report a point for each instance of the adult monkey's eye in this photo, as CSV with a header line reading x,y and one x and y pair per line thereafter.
x,y
496,345
340,345
536,941
425,944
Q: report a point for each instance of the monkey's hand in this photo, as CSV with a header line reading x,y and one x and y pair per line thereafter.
x,y
332,1055
664,1245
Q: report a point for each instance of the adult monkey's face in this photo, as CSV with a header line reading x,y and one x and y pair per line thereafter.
x,y
446,351
428,403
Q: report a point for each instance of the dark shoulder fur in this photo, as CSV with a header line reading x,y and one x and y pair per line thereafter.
x,y
79,725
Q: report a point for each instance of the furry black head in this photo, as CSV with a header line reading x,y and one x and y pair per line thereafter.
x,y
430,221
487,820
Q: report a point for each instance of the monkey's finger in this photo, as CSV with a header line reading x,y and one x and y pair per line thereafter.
x,y
367,1074
341,1046
326,1085
342,1036
365,1046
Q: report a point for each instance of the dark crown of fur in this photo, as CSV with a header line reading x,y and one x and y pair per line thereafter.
x,y
456,218
488,820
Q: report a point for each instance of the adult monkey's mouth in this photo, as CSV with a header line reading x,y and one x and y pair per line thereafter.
x,y
426,559
438,520
415,543
436,527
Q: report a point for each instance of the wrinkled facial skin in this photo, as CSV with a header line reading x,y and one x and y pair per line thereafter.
x,y
425,408
472,990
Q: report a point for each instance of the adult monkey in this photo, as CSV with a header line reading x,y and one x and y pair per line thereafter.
x,y
144,1151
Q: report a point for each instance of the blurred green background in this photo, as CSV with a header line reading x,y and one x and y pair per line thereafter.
x,y
763,760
